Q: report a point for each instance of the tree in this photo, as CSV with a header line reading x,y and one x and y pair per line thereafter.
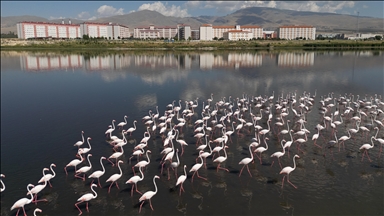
x,y
86,37
215,38
378,37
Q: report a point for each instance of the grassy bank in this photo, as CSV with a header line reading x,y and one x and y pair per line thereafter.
x,y
16,44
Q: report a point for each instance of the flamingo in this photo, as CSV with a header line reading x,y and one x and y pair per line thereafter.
x,y
168,157
206,154
84,169
110,130
176,164
279,154
74,163
23,201
195,168
98,173
366,147
287,170
79,143
181,180
143,163
38,188
149,194
86,198
380,140
49,176
86,150
262,149
115,177
134,179
199,136
221,159
343,139
246,161
265,131
131,129
136,153
116,155
122,124
181,142
2,183
37,210
315,137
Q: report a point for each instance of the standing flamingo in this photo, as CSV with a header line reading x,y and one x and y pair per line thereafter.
x,y
149,194
134,180
79,143
182,179
23,201
195,168
131,129
287,170
115,177
86,150
2,183
116,155
98,173
262,149
343,139
366,147
315,137
143,163
279,154
221,159
111,129
84,169
35,190
86,198
246,161
74,163
49,176
122,124
181,142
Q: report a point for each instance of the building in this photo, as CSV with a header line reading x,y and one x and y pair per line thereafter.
x,y
269,34
297,32
237,35
208,32
184,32
26,30
117,31
195,34
153,32
94,30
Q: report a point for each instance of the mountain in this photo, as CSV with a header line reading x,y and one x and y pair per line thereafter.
x,y
268,18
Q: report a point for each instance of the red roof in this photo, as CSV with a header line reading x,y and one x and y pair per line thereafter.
x,y
296,26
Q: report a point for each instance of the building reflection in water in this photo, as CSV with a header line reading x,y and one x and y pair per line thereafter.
x,y
204,61
291,59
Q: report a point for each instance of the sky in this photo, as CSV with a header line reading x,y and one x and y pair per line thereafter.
x,y
90,10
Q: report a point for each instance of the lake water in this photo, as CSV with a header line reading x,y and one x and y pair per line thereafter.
x,y
47,99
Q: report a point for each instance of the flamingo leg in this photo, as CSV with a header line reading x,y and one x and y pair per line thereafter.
x,y
98,179
280,163
150,203
109,189
78,207
141,206
290,182
241,170
193,176
65,168
368,156
50,184
282,182
200,176
132,190
117,185
138,190
87,207
249,171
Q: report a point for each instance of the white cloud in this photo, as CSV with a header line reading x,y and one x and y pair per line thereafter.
x,y
166,10
365,6
83,15
106,10
54,18
317,6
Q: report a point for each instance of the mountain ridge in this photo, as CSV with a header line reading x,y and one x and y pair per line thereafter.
x,y
268,18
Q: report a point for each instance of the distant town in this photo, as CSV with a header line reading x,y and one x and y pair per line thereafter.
x,y
206,32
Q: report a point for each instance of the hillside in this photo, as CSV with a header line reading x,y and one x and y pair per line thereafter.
x,y
268,18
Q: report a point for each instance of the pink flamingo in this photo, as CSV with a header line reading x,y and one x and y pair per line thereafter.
x,y
181,180
23,201
86,198
134,180
149,194
246,161
115,177
287,170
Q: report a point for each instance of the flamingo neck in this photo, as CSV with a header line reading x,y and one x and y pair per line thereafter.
x,y
29,191
94,192
142,174
294,163
102,165
154,182
54,174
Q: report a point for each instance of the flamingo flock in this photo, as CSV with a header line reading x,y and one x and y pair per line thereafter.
x,y
261,122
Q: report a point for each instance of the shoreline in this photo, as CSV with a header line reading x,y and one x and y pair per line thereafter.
x,y
131,45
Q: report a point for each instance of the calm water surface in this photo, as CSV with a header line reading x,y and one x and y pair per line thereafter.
x,y
48,99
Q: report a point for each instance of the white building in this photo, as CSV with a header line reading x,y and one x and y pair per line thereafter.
x,y
117,31
237,30
27,30
184,32
94,30
296,32
237,35
144,32
206,32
